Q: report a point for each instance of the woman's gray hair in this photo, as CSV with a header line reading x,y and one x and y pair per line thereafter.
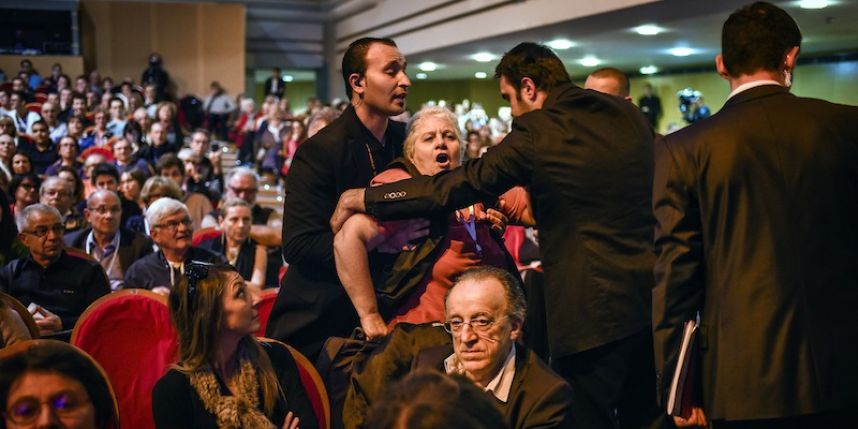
x,y
233,202
162,208
435,111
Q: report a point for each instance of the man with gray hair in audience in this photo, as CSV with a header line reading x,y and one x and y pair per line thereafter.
x,y
113,247
58,193
170,227
267,223
485,310
56,284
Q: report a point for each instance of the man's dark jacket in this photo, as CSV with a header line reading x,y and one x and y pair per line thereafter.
x,y
587,158
153,270
538,398
132,245
757,212
312,304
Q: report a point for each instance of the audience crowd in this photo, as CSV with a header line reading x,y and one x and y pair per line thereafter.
x,y
407,253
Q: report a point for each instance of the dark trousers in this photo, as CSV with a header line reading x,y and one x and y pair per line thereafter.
x,y
614,385
831,419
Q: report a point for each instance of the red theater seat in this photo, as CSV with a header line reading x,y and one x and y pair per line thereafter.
x,y
266,304
129,333
313,385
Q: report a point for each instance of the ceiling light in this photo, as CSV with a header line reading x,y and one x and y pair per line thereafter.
x,y
480,75
560,44
427,66
649,70
589,61
288,78
682,51
483,57
422,75
648,30
813,4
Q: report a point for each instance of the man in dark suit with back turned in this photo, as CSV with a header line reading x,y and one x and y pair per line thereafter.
x,y
587,158
758,230
312,304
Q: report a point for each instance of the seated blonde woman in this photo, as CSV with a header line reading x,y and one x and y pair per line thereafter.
x,y
248,257
412,287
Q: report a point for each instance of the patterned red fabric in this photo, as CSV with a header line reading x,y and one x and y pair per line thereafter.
x,y
132,338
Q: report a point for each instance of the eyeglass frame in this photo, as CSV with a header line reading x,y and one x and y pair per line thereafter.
x,y
57,228
448,325
81,402
174,224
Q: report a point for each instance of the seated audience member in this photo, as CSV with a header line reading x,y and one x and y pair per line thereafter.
x,y
98,135
170,228
131,186
116,108
72,176
21,164
225,377
207,177
167,115
41,150
56,128
90,160
485,312
234,244
462,240
113,247
427,399
8,230
7,151
63,379
58,193
24,191
59,284
320,119
12,327
154,188
104,176
156,145
243,183
76,128
123,152
68,151
171,167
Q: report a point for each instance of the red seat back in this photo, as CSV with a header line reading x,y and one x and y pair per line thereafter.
x,y
129,333
266,304
313,386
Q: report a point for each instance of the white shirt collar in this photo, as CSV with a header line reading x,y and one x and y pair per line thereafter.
x,y
501,384
753,84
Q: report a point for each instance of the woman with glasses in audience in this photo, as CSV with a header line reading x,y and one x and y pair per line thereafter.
x,y
413,287
225,377
24,189
249,258
61,378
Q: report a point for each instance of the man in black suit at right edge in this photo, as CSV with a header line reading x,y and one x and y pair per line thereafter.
x,y
588,160
757,211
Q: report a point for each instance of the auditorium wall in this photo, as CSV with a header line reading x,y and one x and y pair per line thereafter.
x,y
836,82
199,43
72,65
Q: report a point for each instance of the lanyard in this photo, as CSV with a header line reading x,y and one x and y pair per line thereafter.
x,y
371,161
471,226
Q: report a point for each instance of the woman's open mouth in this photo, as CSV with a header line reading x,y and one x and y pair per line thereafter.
x,y
443,160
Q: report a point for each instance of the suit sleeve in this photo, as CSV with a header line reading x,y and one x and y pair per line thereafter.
x,y
554,410
308,206
502,167
679,289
